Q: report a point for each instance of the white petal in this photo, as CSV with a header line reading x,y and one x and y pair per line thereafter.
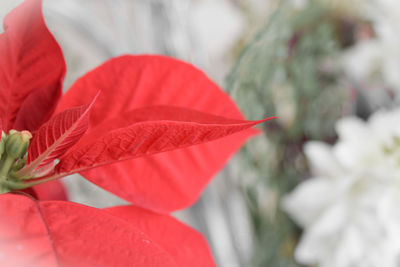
x,y
320,240
321,159
352,129
361,60
306,202
386,124
357,145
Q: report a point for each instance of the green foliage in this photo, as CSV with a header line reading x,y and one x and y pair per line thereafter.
x,y
288,70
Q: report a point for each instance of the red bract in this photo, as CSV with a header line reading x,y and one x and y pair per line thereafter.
x,y
60,233
146,128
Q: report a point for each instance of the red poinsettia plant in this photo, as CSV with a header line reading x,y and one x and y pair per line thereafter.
x,y
150,129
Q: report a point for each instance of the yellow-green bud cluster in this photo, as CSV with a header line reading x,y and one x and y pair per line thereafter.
x,y
2,143
13,148
17,143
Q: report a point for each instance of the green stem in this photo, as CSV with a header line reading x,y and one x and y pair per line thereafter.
x,y
24,185
5,167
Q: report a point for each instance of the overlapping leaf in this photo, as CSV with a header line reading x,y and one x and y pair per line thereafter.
x,y
32,69
56,136
37,234
147,131
53,190
166,181
187,246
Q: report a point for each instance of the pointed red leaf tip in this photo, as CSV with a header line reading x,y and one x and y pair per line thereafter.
x,y
56,136
144,132
174,179
187,246
37,234
32,69
147,131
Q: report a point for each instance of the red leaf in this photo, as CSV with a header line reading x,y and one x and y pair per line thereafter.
x,y
37,108
161,183
167,181
53,190
56,136
174,179
147,131
57,233
131,82
24,239
187,246
32,69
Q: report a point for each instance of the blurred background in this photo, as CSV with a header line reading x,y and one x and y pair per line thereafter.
x,y
302,193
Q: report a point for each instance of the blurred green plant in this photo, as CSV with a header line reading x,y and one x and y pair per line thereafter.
x,y
289,70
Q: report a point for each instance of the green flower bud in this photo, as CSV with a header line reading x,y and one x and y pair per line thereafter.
x,y
19,164
2,143
12,131
17,143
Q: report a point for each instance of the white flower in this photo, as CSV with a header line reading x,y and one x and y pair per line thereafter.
x,y
350,209
378,59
